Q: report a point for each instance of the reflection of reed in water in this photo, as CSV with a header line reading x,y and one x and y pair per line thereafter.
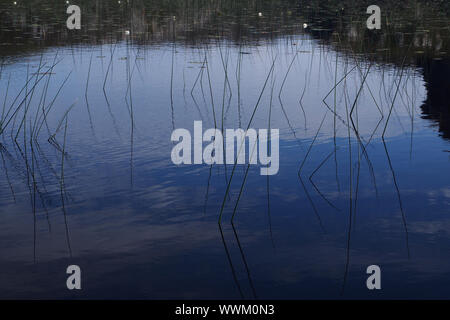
x,y
21,130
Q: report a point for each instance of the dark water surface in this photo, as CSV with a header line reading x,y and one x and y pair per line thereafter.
x,y
86,175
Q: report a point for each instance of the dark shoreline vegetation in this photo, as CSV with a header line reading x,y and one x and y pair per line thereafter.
x,y
41,23
85,124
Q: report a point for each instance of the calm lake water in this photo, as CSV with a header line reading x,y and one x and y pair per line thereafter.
x,y
86,174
